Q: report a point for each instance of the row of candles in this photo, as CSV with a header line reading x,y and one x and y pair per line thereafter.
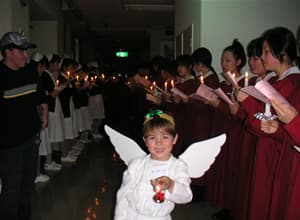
x,y
154,86
246,78
86,78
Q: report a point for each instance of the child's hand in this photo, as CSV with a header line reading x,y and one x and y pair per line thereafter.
x,y
163,183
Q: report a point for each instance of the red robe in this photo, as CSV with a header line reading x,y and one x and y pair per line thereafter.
x,y
245,156
179,112
200,118
269,185
289,194
223,177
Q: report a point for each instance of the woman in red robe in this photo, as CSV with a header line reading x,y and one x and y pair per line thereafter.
x,y
290,122
225,169
273,158
178,106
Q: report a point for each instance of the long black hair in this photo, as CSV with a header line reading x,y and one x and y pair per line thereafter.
x,y
203,56
236,48
254,48
282,42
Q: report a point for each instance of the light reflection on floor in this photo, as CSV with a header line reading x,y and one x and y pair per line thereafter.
x,y
87,189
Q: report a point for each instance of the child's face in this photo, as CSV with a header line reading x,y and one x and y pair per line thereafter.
x,y
160,144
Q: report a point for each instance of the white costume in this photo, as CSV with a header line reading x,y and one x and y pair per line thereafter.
x,y
135,196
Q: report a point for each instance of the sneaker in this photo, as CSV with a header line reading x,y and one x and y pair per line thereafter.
x,y
41,178
57,164
74,153
52,167
84,137
97,136
78,146
68,159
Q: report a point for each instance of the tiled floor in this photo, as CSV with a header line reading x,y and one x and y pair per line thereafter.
x,y
87,190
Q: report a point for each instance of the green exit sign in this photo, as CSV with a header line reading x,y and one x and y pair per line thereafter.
x,y
122,54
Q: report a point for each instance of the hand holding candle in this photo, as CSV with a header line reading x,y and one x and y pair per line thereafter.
x,y
246,79
201,79
160,185
166,86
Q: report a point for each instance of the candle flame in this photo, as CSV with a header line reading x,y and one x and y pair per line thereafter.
x,y
201,79
172,83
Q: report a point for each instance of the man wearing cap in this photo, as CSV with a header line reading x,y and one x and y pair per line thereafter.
x,y
19,127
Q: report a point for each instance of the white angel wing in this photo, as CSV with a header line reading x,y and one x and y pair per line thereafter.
x,y
127,148
200,155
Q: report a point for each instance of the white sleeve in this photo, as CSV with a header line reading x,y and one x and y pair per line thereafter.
x,y
126,187
182,192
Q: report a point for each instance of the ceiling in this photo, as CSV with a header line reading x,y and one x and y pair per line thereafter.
x,y
111,18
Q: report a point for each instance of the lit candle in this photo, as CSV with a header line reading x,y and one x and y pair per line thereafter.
x,y
151,88
233,76
154,83
68,74
166,86
102,76
146,77
57,82
77,77
268,110
172,83
114,78
86,78
95,77
202,79
246,80
97,202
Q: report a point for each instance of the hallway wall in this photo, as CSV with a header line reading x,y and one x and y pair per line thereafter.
x,y
222,21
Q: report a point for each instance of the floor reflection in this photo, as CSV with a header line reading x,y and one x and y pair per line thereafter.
x,y
87,189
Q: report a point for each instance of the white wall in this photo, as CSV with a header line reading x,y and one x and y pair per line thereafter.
x,y
20,18
14,17
5,16
188,12
49,32
157,37
223,20
44,34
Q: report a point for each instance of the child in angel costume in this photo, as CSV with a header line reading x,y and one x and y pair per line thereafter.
x,y
154,183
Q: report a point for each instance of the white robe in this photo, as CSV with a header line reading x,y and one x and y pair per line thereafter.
x,y
135,196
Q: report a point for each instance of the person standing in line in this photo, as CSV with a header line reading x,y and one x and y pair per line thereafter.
x,y
20,127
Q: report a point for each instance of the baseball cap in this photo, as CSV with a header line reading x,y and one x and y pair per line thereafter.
x,y
15,40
